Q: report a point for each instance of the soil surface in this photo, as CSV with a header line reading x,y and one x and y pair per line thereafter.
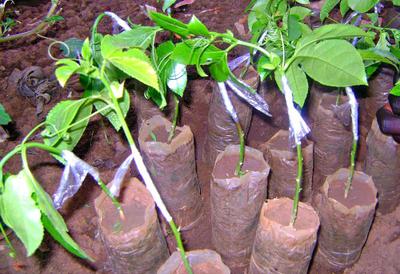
x,y
226,166
360,194
106,150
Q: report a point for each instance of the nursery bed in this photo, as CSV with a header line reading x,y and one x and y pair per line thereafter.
x,y
105,149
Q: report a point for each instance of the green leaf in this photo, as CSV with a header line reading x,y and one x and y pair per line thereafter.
x,y
196,27
332,31
188,53
333,63
177,78
53,222
294,28
169,23
344,7
303,2
362,6
86,50
378,55
395,90
138,37
327,8
71,47
300,12
396,2
4,117
156,96
59,120
298,83
167,4
20,212
124,104
67,67
136,64
220,70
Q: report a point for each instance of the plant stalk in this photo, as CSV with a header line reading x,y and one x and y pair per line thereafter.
x,y
35,30
352,167
174,119
298,185
177,235
238,170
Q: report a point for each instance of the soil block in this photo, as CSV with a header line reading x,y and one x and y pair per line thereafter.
x,y
332,139
283,161
383,164
202,261
146,108
221,128
278,246
236,203
345,222
135,244
172,167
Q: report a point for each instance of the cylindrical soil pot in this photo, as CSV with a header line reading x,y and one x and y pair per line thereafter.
x,y
283,161
203,261
236,203
332,138
172,167
221,128
135,244
383,164
280,247
345,222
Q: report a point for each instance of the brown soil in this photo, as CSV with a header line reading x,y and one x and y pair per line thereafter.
x,y
360,193
305,218
106,150
201,268
225,167
134,217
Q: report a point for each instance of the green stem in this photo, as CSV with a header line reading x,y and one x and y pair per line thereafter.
x,y
298,185
9,244
238,170
352,167
35,30
175,119
32,131
113,199
250,45
180,246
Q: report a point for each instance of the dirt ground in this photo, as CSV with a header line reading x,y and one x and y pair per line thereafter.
x,y
106,150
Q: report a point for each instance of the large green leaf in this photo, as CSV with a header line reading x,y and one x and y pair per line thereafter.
x,y
135,63
138,37
298,83
333,63
62,116
169,23
53,222
332,31
362,6
20,212
344,7
327,8
190,52
4,117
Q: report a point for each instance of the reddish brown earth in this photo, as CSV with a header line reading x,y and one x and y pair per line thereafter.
x,y
105,149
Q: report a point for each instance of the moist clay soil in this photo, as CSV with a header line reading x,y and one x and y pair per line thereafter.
x,y
106,150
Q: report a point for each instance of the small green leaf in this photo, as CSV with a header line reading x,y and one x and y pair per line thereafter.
x,y
71,47
362,6
156,96
177,78
378,55
167,4
327,8
298,83
396,2
169,23
53,19
4,117
60,119
188,53
220,70
86,50
303,2
344,7
20,212
300,12
395,90
138,37
136,64
196,27
67,67
117,89
294,28
334,63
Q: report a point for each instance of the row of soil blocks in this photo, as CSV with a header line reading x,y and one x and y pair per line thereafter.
x,y
383,164
172,166
236,203
282,158
221,130
134,244
345,222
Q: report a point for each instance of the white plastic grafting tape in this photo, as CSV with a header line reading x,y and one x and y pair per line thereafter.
x,y
227,102
118,20
119,176
298,126
72,178
149,183
354,111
